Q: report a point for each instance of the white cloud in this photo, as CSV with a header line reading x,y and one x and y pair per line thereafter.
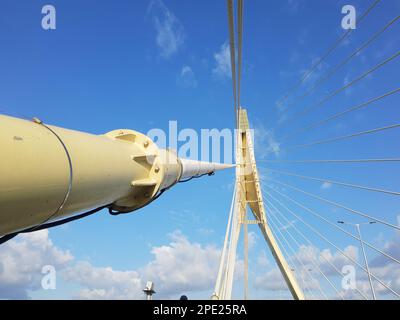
x,y
346,81
253,237
205,231
287,226
170,32
182,266
326,185
387,269
313,73
262,259
186,78
271,280
265,142
104,283
326,259
22,260
308,259
222,58
309,75
177,268
389,274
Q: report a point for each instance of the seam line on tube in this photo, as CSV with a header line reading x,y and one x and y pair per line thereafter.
x,y
71,173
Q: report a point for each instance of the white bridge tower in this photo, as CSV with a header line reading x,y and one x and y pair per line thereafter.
x,y
247,194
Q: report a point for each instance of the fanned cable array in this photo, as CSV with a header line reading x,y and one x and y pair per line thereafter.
x,y
325,223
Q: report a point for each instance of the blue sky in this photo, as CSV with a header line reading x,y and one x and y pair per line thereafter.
x,y
140,64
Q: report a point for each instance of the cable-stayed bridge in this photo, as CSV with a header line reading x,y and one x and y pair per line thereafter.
x,y
324,198
279,200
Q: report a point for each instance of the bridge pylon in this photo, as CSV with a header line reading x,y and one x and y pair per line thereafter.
x,y
247,195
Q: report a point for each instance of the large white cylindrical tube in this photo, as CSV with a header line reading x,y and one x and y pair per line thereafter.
x,y
47,172
36,177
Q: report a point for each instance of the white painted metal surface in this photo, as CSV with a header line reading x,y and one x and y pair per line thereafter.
x,y
192,168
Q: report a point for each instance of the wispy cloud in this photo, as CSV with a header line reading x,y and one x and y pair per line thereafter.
x,y
222,58
308,75
170,32
184,217
326,185
346,81
186,78
311,74
288,225
205,231
253,237
302,36
265,142
293,6
262,259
